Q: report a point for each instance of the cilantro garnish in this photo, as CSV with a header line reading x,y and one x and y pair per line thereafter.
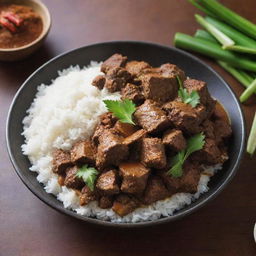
x,y
192,98
194,143
123,110
89,175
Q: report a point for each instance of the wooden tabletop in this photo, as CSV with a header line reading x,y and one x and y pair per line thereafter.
x,y
29,227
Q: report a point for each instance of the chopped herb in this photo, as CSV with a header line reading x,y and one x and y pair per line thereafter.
x,y
194,143
192,98
89,175
123,110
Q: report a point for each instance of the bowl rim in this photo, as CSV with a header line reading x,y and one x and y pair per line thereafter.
x,y
163,220
46,29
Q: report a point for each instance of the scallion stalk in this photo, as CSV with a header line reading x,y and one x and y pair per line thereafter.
x,y
213,50
205,35
239,48
235,73
251,144
201,8
221,37
243,77
247,76
235,35
248,92
230,17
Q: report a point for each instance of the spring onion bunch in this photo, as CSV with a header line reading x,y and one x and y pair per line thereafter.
x,y
230,39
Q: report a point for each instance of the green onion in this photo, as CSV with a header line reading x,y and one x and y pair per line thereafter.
x,y
235,35
221,37
250,77
248,92
236,73
205,35
212,50
230,17
251,144
201,8
243,77
239,48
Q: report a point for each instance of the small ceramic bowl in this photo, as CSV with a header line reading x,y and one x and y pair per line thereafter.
x,y
22,52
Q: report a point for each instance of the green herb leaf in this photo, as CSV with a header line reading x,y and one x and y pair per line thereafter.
x,y
89,175
194,143
176,162
192,98
123,110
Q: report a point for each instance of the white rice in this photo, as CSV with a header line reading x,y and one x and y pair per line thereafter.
x,y
66,111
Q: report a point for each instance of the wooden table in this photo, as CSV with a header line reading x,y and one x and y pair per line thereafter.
x,y
29,227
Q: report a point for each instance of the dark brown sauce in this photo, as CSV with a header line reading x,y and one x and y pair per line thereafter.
x,y
220,112
13,35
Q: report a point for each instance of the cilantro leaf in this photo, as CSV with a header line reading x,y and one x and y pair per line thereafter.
x,y
176,162
89,175
123,110
192,98
194,143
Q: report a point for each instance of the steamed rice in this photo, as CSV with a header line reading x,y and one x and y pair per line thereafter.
x,y
67,111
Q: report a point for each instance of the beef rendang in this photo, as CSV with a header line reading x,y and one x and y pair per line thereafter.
x,y
133,161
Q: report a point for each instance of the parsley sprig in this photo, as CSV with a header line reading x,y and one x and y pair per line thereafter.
x,y
192,98
194,143
89,175
123,110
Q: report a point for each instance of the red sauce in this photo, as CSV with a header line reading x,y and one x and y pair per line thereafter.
x,y
19,25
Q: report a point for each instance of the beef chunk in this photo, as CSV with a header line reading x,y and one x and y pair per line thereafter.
x,y
71,180
124,204
125,129
208,129
83,152
136,67
87,195
107,183
210,154
183,116
105,202
201,112
153,153
138,135
222,130
150,116
198,86
171,69
155,190
132,92
111,150
187,183
99,82
117,78
116,60
201,88
61,161
159,88
107,121
97,133
134,151
134,176
174,139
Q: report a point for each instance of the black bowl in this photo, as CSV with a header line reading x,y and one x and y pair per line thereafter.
x,y
155,55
